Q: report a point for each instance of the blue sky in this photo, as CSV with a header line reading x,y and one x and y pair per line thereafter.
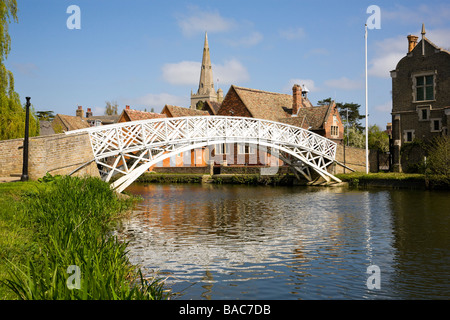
x,y
146,53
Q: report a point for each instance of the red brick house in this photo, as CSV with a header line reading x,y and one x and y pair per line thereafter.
x,y
294,110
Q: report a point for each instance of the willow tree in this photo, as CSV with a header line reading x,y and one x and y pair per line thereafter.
x,y
12,113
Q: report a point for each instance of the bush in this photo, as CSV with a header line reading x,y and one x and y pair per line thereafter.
x,y
438,160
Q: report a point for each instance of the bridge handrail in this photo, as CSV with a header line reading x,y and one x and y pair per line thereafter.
x,y
303,138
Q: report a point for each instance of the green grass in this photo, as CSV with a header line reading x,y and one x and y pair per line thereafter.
x,y
46,228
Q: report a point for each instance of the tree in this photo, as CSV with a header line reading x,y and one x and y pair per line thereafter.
x,y
45,115
111,108
378,139
439,156
12,113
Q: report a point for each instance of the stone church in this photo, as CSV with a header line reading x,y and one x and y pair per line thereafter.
x,y
420,100
206,91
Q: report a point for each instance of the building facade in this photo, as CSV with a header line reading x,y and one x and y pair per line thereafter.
x,y
420,101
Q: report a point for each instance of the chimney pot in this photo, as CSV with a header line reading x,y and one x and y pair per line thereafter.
x,y
79,112
412,42
127,107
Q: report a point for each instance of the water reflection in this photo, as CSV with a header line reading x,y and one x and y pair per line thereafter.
x,y
241,242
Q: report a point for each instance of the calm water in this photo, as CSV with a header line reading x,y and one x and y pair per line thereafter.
x,y
248,242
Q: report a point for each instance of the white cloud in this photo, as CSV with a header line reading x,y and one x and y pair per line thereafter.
x,y
157,101
188,72
231,72
247,41
388,53
310,85
292,33
435,14
197,20
344,84
385,107
182,73
28,69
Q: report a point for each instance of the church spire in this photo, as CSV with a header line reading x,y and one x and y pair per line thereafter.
x,y
206,84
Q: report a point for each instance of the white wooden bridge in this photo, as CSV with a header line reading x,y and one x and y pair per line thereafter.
x,y
138,145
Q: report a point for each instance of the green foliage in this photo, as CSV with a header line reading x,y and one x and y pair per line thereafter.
x,y
72,220
378,140
438,160
111,108
12,114
45,115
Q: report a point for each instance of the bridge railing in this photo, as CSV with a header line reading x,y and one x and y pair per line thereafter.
x,y
112,139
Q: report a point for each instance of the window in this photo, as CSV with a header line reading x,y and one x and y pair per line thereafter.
x,y
425,88
424,113
436,125
245,149
408,135
220,148
335,131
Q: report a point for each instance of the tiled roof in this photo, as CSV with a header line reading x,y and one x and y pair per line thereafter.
x,y
45,128
135,115
267,105
213,106
72,122
311,117
175,111
106,119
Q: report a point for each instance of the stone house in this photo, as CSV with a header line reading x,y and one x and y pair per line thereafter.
x,y
420,100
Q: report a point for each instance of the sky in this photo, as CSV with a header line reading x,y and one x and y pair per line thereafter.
x,y
147,53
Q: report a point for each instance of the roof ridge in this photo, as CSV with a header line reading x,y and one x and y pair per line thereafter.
x,y
260,91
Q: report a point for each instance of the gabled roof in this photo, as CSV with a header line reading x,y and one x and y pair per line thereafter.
x,y
105,119
213,106
175,112
72,122
267,105
135,115
312,118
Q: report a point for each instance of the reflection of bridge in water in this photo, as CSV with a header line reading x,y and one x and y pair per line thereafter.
x,y
138,145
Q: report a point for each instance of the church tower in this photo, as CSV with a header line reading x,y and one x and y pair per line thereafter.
x,y
206,89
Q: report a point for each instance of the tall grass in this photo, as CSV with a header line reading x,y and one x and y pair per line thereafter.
x,y
73,222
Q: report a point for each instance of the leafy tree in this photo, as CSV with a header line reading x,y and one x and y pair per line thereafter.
x,y
111,108
378,139
45,115
439,156
12,113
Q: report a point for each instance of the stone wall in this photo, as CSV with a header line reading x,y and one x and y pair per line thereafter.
x,y
58,154
355,159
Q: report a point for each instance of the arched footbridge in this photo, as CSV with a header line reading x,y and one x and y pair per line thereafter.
x,y
131,148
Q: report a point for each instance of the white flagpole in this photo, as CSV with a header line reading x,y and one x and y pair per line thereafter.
x,y
367,115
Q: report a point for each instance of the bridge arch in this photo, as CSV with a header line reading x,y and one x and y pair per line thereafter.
x,y
131,148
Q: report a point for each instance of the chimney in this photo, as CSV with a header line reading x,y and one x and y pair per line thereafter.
x,y
127,107
412,42
79,112
296,99
88,113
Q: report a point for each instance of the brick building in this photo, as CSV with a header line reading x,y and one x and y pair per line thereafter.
x,y
420,100
295,109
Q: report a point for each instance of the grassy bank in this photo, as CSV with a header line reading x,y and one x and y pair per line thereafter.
x,y
57,243
148,177
396,180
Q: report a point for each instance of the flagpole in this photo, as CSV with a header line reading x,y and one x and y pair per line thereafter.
x,y
367,114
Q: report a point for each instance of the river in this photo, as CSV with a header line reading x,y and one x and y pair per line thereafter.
x,y
262,242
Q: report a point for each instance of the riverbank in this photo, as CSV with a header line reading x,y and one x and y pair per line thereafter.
x,y
396,180
57,243
354,179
